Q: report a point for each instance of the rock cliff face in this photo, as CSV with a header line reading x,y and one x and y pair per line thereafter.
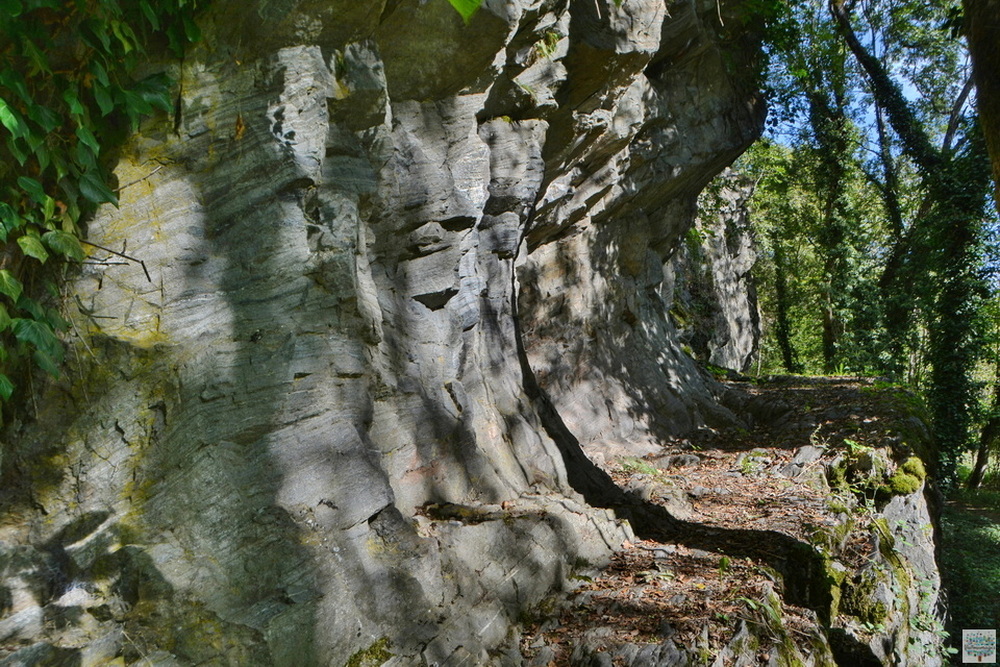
x,y
398,268
714,300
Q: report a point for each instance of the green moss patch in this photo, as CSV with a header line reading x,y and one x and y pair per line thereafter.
x,y
376,654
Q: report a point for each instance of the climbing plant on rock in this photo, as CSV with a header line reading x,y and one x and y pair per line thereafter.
x,y
469,7
955,180
67,93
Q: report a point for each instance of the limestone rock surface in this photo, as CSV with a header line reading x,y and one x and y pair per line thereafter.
x,y
400,268
714,302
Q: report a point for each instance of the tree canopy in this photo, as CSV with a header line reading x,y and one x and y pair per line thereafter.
x,y
872,205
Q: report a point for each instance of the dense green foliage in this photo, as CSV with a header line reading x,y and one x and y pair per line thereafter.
x,y
67,94
871,206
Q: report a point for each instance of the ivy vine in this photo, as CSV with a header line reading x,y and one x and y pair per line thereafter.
x,y
67,93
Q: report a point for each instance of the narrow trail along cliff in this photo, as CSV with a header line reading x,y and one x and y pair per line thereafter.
x,y
412,350
807,471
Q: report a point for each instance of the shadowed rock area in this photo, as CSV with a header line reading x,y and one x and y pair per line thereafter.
x,y
405,275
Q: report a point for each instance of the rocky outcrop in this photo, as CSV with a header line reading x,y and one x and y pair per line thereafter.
x,y
593,299
246,456
814,543
714,300
399,269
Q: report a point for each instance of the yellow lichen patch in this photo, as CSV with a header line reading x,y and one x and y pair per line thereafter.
x,y
376,654
143,332
380,547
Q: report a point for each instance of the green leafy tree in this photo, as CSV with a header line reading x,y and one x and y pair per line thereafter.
x,y
954,180
877,193
820,198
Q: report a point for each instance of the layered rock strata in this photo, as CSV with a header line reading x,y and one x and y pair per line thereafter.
x,y
399,269
714,299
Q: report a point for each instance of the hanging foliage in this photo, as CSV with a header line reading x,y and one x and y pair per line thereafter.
x,y
67,91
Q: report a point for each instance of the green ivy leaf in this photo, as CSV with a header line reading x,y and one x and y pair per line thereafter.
x,y
6,387
124,35
38,334
46,118
39,61
84,134
12,79
466,7
101,74
49,209
155,90
5,320
85,156
46,363
56,321
10,285
94,33
32,307
73,102
136,103
10,219
33,188
64,244
149,14
44,157
191,29
93,188
34,140
32,247
12,120
20,154
103,98
59,164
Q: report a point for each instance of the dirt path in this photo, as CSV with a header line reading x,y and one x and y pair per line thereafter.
x,y
746,502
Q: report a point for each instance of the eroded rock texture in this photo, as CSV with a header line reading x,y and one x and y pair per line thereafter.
x,y
393,260
714,302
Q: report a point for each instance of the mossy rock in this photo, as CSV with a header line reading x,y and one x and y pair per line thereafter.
x,y
835,578
858,598
373,656
907,479
901,484
915,467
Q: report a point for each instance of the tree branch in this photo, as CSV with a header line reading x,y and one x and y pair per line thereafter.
x,y
890,193
956,115
888,96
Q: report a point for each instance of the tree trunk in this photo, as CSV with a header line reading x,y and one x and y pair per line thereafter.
x,y
987,437
982,21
